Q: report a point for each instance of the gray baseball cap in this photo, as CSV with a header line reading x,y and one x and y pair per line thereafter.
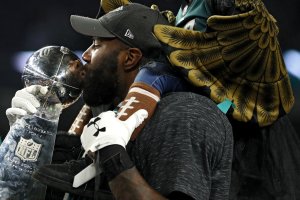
x,y
133,24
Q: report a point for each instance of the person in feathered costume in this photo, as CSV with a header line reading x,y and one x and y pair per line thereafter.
x,y
230,51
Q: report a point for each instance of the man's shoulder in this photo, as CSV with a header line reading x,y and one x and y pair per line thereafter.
x,y
191,107
187,99
183,115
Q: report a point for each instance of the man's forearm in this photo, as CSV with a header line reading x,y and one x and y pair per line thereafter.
x,y
131,185
124,179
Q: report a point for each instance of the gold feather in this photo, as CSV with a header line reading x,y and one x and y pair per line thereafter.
x,y
240,59
267,104
286,94
109,5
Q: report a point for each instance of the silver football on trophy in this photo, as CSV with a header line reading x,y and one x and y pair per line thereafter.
x,y
58,68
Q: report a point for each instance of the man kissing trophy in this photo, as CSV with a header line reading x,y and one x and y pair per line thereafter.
x,y
30,141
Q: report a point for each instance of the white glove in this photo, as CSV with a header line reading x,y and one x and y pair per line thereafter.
x,y
106,129
25,102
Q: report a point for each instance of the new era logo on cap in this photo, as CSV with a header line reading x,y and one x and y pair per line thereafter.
x,y
129,34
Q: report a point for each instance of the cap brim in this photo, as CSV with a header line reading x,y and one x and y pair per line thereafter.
x,y
89,26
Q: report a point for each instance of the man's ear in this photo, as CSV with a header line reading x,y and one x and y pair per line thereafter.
x,y
133,57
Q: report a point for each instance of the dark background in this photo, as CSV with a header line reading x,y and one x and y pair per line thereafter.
x,y
32,24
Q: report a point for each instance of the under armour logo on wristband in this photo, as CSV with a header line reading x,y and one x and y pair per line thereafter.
x,y
96,126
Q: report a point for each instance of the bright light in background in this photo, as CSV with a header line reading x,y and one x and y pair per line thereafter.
x,y
292,62
291,58
20,58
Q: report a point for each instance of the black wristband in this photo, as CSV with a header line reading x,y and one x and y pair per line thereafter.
x,y
114,160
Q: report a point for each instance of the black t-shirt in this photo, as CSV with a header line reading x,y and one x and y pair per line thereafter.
x,y
186,147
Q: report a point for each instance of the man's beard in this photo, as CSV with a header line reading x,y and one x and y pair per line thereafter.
x,y
100,85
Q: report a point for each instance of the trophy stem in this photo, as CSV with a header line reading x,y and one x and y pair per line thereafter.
x,y
28,145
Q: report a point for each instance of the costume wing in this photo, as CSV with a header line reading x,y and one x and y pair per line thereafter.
x,y
240,59
109,5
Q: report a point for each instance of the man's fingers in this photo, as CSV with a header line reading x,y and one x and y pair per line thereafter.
x,y
25,101
15,111
26,98
136,119
35,89
28,105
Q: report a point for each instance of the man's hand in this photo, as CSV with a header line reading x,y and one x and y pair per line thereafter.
x,y
106,129
25,102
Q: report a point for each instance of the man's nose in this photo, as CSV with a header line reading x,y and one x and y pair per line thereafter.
x,y
86,56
